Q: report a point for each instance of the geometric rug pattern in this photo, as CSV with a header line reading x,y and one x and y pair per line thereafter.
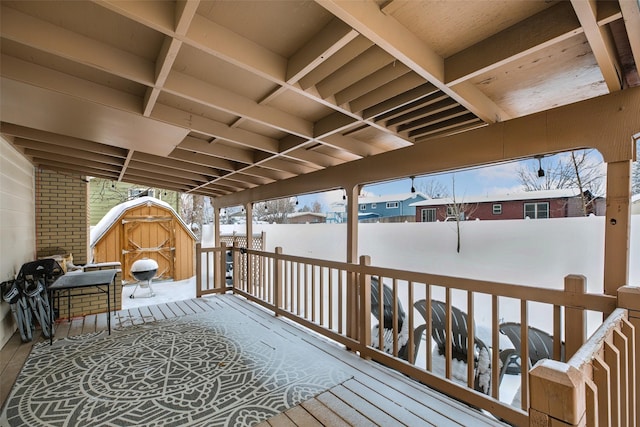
x,y
217,368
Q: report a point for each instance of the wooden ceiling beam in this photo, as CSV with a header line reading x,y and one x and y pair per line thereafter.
x,y
148,167
222,99
66,169
215,149
184,13
43,149
450,112
272,174
160,178
62,140
399,114
203,160
543,29
215,129
174,164
397,87
399,101
85,168
601,42
36,75
404,121
172,186
367,18
370,61
339,59
47,37
71,161
631,15
161,16
371,82
333,37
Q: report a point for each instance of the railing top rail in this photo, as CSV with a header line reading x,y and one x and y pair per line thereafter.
x,y
596,302
594,343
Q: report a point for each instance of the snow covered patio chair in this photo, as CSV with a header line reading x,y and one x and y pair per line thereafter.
x,y
459,348
387,322
540,347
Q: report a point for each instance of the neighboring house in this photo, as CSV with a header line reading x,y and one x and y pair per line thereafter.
x,y
635,204
307,218
531,204
105,194
389,208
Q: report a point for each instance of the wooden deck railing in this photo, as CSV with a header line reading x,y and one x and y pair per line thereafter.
x,y
334,299
598,386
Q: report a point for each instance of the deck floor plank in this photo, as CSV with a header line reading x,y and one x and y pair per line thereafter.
x,y
323,414
157,313
89,324
280,420
301,417
101,321
167,311
76,326
344,410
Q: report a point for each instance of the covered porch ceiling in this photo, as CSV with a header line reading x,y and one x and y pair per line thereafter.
x,y
219,97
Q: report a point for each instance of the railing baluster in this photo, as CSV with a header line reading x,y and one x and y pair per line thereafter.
x,y
427,310
470,340
524,354
331,305
411,343
448,334
340,303
495,346
321,288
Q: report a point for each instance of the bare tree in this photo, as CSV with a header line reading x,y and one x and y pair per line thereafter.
x,y
192,211
277,211
458,210
432,188
577,170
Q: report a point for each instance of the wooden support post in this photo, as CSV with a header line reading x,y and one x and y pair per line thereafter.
x,y
365,304
575,328
236,265
249,224
198,270
557,393
352,256
629,299
278,272
216,228
617,227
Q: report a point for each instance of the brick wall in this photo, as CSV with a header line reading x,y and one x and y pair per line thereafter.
x,y
61,215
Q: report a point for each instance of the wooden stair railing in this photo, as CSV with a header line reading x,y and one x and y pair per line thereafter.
x,y
598,386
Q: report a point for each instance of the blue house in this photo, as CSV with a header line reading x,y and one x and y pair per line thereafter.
x,y
388,208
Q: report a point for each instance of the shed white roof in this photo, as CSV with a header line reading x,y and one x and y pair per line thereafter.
x,y
297,214
116,212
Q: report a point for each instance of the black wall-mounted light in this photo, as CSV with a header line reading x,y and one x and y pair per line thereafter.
x,y
540,170
413,188
344,194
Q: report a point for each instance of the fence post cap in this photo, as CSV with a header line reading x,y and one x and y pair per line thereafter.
x,y
629,297
558,390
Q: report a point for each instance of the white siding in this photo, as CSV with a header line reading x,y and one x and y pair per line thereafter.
x,y
17,222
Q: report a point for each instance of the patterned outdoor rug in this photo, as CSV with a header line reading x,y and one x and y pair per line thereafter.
x,y
217,368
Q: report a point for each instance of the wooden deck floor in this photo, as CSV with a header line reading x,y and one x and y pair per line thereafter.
x,y
374,396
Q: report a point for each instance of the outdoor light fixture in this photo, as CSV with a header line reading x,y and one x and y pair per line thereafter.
x,y
344,194
540,170
413,188
265,207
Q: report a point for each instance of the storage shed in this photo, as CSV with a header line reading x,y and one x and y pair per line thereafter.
x,y
145,228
